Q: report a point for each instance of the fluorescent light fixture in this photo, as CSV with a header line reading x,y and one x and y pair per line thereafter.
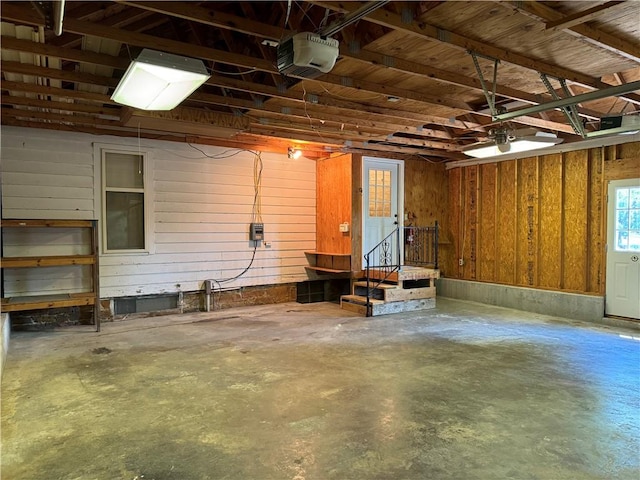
x,y
521,144
159,81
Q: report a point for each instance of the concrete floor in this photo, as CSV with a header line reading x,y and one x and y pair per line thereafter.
x,y
295,391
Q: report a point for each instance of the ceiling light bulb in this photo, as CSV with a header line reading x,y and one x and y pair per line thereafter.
x,y
293,153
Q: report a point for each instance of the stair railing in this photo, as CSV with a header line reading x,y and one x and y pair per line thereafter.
x,y
384,259
421,246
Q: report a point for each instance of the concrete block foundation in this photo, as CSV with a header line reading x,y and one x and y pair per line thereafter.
x,y
574,306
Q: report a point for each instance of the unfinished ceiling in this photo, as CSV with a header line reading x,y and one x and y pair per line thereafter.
x,y
406,82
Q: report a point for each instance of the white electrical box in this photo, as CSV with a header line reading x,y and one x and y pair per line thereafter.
x,y
344,227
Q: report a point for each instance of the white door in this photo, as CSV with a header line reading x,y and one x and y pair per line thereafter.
x,y
382,201
623,249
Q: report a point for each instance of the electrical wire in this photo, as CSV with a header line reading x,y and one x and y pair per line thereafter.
x,y
220,155
212,70
256,215
351,98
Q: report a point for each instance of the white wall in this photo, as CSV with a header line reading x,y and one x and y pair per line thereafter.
x,y
200,216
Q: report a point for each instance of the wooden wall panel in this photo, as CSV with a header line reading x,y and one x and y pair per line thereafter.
x,y
622,161
527,213
487,223
595,222
356,212
550,252
470,226
426,201
333,204
575,220
456,215
506,201
548,216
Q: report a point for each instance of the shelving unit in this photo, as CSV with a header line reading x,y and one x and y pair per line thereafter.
x,y
40,302
329,263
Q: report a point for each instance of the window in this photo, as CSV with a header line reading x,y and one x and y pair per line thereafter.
x,y
123,201
379,193
627,219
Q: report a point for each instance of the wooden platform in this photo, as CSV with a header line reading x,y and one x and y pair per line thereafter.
x,y
409,289
406,273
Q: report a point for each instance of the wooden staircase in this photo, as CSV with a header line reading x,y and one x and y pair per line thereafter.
x,y
406,290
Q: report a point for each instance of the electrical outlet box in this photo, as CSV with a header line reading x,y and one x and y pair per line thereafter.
x,y
344,227
256,231
461,262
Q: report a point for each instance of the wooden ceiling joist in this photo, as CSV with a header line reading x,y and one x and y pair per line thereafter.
x,y
592,35
424,30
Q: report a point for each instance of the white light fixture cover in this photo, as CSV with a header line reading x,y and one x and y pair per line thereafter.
x,y
521,144
159,81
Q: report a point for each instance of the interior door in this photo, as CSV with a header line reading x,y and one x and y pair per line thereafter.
x,y
623,249
381,200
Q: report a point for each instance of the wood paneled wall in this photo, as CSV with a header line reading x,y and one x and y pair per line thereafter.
x,y
426,201
334,204
537,222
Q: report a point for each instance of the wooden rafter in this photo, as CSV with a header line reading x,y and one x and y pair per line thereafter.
x,y
581,17
589,34
424,30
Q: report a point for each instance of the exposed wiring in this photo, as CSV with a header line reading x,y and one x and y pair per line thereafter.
x,y
256,215
232,73
219,155
351,98
304,102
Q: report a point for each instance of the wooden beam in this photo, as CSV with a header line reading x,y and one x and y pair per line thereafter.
x,y
82,56
242,141
580,17
592,35
58,117
52,105
424,30
249,27
385,126
76,77
55,92
195,13
14,13
225,21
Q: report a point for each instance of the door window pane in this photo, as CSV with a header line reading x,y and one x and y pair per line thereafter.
x,y
627,219
379,193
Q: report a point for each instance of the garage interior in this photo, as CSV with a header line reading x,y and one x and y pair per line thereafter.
x,y
376,240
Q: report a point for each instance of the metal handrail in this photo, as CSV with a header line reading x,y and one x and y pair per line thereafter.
x,y
388,254
421,246
420,249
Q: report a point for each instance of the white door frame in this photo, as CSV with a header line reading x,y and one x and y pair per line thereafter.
x,y
399,200
622,289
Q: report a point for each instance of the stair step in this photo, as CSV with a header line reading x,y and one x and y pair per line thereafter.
x,y
359,299
363,283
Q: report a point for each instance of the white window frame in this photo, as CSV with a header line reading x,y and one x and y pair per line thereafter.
x,y
100,151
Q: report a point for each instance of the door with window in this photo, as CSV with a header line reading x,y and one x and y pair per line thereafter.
x,y
623,249
382,201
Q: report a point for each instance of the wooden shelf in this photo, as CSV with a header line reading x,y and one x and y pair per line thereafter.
x,y
12,222
329,263
326,270
41,302
50,261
